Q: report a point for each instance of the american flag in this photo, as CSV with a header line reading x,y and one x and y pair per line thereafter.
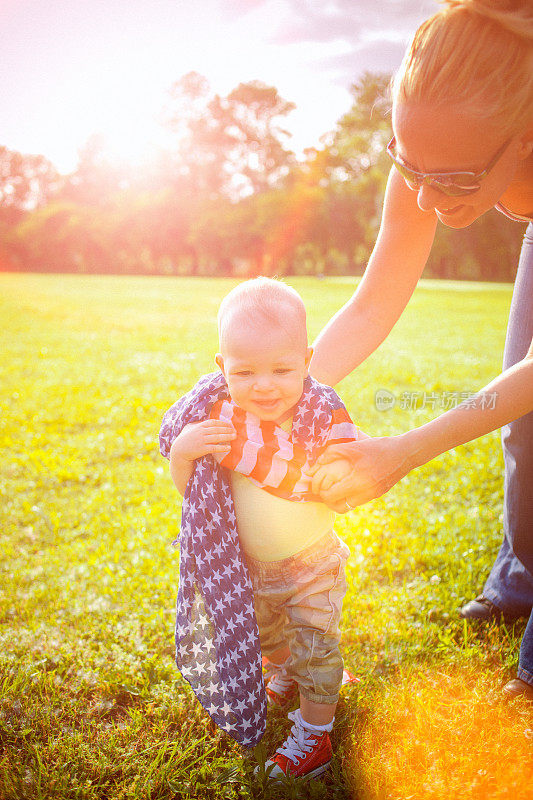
x,y
217,639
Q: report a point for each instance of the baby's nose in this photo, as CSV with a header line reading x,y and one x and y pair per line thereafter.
x,y
263,381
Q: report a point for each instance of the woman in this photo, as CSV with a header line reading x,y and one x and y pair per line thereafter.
x,y
463,144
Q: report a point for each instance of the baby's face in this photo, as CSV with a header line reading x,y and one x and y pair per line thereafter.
x,y
265,370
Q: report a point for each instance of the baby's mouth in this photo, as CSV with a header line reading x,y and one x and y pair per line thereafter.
x,y
266,403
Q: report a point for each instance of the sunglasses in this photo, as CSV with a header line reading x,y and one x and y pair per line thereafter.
x,y
450,183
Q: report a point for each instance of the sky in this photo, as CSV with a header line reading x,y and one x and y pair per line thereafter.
x,y
73,68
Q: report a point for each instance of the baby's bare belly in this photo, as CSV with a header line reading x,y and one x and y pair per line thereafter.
x,y
271,528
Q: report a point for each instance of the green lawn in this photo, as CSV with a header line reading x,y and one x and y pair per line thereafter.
x,y
91,704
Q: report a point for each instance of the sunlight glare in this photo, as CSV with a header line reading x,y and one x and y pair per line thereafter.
x,y
130,140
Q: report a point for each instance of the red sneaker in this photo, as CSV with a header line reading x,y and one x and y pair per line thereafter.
x,y
280,689
303,755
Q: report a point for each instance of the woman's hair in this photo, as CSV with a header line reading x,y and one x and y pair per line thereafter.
x,y
476,55
264,301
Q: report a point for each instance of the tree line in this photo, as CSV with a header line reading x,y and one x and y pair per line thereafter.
x,y
229,197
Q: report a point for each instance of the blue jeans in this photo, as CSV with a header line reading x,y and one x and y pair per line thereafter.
x,y
510,583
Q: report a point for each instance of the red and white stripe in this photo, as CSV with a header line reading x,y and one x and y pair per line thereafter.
x,y
265,453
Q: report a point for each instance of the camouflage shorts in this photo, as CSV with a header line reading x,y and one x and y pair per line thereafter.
x,y
298,602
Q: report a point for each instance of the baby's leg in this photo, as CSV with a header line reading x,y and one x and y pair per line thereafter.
x,y
317,713
313,617
270,616
314,590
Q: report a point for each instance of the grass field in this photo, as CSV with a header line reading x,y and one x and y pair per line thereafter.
x,y
91,704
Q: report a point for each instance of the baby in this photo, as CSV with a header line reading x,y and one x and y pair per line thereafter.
x,y
264,421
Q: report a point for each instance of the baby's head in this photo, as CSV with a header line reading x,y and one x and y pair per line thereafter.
x,y
263,347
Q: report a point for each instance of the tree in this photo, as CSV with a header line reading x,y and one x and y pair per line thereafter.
x,y
231,146
61,237
95,179
26,181
259,156
200,143
351,172
358,142
229,197
487,250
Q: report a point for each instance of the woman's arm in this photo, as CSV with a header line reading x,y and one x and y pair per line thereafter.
x,y
402,248
503,400
380,463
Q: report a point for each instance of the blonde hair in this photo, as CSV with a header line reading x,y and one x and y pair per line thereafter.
x,y
264,300
476,55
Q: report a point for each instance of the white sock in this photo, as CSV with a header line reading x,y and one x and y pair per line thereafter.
x,y
327,728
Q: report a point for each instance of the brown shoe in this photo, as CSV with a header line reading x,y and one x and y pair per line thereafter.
x,y
518,688
484,610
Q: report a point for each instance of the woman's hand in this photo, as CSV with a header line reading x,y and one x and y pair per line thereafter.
x,y
375,465
326,476
212,436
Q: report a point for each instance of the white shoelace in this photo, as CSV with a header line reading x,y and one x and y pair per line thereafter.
x,y
300,740
280,681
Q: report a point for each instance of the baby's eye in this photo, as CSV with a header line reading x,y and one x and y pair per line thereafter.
x,y
282,371
244,373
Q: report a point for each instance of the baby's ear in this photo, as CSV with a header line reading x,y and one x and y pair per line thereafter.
x,y
219,361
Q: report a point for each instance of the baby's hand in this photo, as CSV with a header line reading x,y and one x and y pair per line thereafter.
x,y
329,474
212,436
326,476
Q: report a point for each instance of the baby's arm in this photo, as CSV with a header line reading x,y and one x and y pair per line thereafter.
x,y
196,440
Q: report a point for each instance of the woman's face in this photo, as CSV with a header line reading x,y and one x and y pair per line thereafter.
x,y
434,139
